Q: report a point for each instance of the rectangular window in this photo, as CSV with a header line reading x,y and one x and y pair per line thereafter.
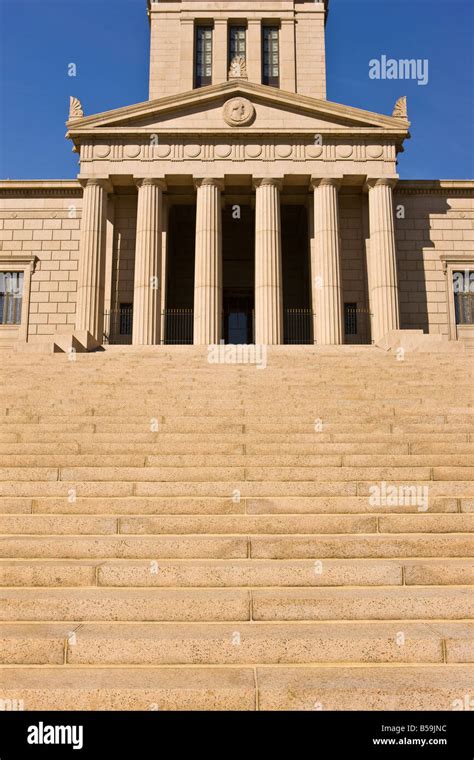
x,y
463,287
350,318
203,56
11,297
270,56
237,42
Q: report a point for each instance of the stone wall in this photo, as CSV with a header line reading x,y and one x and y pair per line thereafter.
x,y
438,222
45,222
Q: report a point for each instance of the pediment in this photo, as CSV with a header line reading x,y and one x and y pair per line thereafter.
x,y
204,110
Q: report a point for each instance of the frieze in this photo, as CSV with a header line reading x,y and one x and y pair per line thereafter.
x,y
237,149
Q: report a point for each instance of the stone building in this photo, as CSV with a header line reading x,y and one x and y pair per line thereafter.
x,y
236,204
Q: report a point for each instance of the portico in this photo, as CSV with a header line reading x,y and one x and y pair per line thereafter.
x,y
209,249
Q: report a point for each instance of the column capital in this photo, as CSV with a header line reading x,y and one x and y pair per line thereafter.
x,y
96,182
325,182
372,182
150,182
268,182
209,181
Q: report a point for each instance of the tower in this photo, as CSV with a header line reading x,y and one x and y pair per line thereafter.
x,y
193,43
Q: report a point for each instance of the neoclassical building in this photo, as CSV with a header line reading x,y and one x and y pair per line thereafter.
x,y
238,203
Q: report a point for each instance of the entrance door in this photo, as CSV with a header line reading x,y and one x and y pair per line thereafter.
x,y
238,317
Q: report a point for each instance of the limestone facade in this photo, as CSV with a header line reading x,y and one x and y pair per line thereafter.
x,y
236,196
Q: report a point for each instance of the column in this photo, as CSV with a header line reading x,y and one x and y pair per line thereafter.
x,y
326,264
268,272
208,262
147,279
381,259
90,286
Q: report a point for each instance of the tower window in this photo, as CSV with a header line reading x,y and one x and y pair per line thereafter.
x,y
237,42
203,56
270,56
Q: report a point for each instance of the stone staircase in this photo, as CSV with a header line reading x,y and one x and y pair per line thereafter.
x,y
180,535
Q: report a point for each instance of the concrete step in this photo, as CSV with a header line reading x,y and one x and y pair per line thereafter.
x,y
228,644
85,688
77,604
208,524
331,546
61,524
200,449
217,460
103,547
143,505
182,442
367,546
420,687
392,603
236,572
289,604
231,489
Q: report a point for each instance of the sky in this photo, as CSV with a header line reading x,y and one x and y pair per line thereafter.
x,y
108,41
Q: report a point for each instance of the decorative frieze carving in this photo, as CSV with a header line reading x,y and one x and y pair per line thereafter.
x,y
255,148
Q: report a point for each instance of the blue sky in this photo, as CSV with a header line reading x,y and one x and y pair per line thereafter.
x,y
108,40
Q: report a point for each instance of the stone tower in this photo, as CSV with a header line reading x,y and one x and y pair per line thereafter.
x,y
193,43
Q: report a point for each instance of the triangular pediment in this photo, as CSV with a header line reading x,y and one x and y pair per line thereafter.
x,y
270,109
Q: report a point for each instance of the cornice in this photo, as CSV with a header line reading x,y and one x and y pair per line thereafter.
x,y
40,188
458,187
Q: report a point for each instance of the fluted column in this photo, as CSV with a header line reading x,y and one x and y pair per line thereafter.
x,y
381,261
268,272
147,279
326,264
208,262
91,275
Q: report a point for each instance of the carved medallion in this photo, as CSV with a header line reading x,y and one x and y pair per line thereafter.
x,y
238,112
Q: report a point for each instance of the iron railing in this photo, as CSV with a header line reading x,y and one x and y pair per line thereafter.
x,y
298,326
357,325
118,325
178,324
178,327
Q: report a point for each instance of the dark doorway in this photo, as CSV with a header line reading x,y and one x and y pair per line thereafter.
x,y
238,244
297,307
238,316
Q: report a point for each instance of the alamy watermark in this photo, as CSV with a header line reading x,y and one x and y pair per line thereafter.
x,y
416,69
386,495
238,354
